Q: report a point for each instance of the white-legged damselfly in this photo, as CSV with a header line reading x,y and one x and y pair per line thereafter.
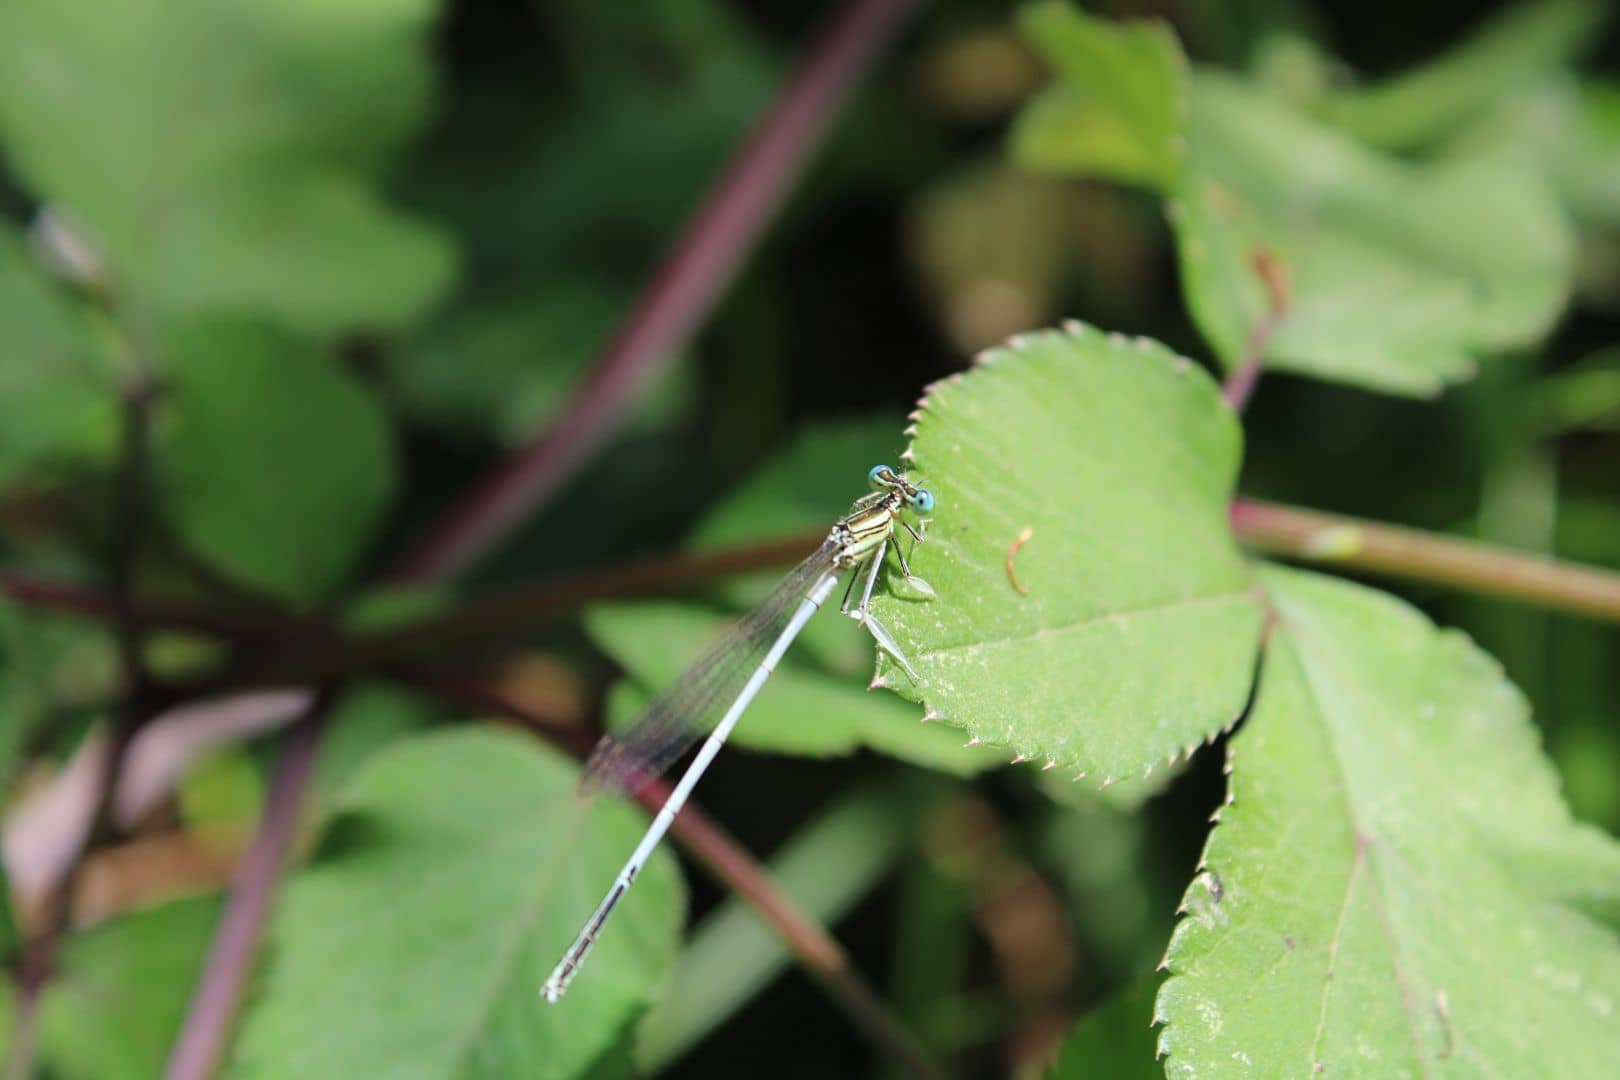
x,y
714,692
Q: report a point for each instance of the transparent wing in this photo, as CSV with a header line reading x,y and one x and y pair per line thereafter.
x,y
690,707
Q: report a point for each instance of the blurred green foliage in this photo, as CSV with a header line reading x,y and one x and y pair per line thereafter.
x,y
356,250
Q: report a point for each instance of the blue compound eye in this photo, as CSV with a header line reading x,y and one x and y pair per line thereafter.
x,y
923,501
875,472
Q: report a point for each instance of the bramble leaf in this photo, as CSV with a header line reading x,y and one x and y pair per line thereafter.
x,y
453,874
1318,254
116,1003
1504,56
1384,275
1117,108
274,462
57,390
1395,873
1136,637
228,160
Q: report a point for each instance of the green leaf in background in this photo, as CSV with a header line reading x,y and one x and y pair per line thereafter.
x,y
1507,54
801,710
1394,276
57,391
455,871
1117,109
1396,887
1568,129
1323,255
367,719
48,662
275,463
1115,1040
1137,636
120,991
228,160
500,369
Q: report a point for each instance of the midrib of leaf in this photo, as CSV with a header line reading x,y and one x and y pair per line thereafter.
x,y
1364,842
1126,615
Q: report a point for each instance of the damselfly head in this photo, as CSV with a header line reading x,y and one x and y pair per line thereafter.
x,y
883,478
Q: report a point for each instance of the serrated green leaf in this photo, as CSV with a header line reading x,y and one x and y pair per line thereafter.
x,y
1137,636
115,1004
1396,887
1395,276
1507,53
227,161
455,871
56,388
1115,1040
801,710
275,464
1116,111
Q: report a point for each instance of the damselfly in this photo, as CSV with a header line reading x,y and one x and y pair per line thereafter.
x,y
713,692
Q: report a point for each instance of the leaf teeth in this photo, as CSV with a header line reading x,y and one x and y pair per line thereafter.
x,y
975,741
1081,775
1076,328
1108,782
1050,764
1019,759
929,716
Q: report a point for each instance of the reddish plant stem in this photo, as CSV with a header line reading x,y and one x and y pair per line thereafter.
x,y
1419,556
28,591
218,995
700,837
1273,275
494,614
681,292
684,288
